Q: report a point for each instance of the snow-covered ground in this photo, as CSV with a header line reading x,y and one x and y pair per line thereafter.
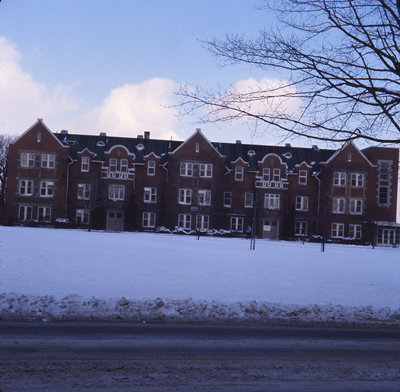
x,y
55,274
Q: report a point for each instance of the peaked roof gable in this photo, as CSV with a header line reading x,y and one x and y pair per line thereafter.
x,y
347,145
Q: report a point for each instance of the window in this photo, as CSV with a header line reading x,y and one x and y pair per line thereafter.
x,y
239,170
185,221
116,192
197,147
83,192
384,182
356,206
85,164
355,232
151,168
337,230
300,228
227,199
303,177
248,200
277,175
302,203
48,161
383,195
206,170
266,174
338,205
113,165
27,159
150,195
186,169
25,213
202,222
272,201
357,180
26,187
46,188
44,214
237,224
82,216
204,197
123,165
339,178
149,219
185,196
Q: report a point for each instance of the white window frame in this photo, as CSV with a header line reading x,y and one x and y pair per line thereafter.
x,y
83,192
151,168
355,231
356,206
185,221
25,212
300,228
47,188
266,174
272,201
338,205
27,159
123,165
357,180
339,178
237,224
227,199
248,200
116,192
239,173
85,164
149,220
44,214
303,177
202,222
25,187
204,197
48,161
185,196
384,180
276,175
337,230
186,169
301,203
150,194
113,165
82,216
206,170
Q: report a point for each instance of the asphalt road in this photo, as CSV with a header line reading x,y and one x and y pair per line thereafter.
x,y
125,357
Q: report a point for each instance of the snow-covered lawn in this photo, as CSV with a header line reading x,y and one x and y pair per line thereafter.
x,y
72,274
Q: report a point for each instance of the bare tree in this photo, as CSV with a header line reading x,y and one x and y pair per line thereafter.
x,y
340,60
5,141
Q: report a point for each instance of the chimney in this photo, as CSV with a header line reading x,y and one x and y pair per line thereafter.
x,y
103,134
288,145
238,142
147,134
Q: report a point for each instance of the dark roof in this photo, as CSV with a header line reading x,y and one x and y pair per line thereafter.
x,y
141,147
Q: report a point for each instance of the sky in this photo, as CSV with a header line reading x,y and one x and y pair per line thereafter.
x,y
114,66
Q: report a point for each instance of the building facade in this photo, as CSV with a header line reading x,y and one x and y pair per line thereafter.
x,y
117,183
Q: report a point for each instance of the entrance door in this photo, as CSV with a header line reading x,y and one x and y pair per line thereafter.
x,y
270,229
386,237
115,220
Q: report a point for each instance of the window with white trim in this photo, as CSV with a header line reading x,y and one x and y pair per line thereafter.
x,y
355,231
384,182
82,216
248,200
277,175
116,192
25,213
337,230
123,164
151,168
272,201
239,173
85,164
300,228
357,180
26,187
27,159
113,165
83,192
303,177
339,178
301,203
185,221
149,219
356,206
204,197
48,161
266,174
150,194
237,224
46,188
185,196
338,205
227,199
186,169
202,222
44,214
206,170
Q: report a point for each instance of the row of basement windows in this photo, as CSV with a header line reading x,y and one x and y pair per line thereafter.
x,y
25,213
47,161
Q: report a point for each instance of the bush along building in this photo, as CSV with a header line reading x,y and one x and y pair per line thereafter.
x,y
118,183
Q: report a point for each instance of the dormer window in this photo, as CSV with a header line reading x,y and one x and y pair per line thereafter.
x,y
197,147
85,164
113,165
151,168
124,165
277,175
239,171
38,137
303,177
266,174
100,144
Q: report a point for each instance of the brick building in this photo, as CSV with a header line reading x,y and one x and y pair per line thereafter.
x,y
117,183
